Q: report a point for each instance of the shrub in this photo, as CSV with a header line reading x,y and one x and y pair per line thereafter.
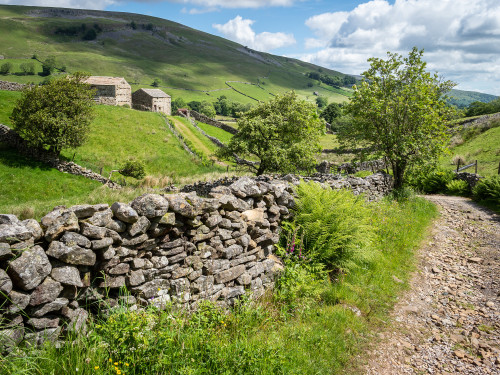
x,y
134,168
335,224
28,68
457,187
458,159
5,68
431,181
488,189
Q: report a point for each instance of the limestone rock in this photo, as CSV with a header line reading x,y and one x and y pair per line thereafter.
x,y
19,302
139,227
168,219
55,305
72,239
72,255
9,219
230,274
43,323
179,205
101,218
5,283
46,292
232,251
5,252
113,282
150,205
59,221
67,275
124,212
93,231
117,226
136,278
12,233
34,227
86,210
102,244
78,321
30,269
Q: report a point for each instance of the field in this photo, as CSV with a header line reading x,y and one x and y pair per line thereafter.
x,y
476,144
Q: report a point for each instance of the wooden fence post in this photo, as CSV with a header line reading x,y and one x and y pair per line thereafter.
x,y
476,166
458,165
498,168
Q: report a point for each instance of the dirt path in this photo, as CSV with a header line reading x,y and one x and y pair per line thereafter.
x,y
449,321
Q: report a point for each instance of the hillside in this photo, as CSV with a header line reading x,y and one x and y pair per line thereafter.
x,y
189,63
462,99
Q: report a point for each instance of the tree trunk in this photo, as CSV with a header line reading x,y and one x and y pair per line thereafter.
x,y
398,170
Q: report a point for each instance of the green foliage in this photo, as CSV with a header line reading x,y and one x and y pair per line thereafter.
x,y
457,187
90,34
335,225
431,180
488,189
282,134
134,168
6,68
207,108
480,108
331,112
57,115
28,68
156,82
399,111
177,103
195,105
48,66
321,101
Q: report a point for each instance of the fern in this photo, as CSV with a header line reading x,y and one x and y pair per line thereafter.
x,y
488,189
335,225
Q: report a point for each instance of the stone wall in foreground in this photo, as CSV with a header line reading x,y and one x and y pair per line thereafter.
x,y
175,248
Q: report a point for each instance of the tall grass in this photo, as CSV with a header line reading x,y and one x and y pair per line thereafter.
x,y
329,323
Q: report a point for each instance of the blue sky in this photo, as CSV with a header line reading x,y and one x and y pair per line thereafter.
x,y
461,37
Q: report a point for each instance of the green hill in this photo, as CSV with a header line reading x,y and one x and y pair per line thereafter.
x,y
189,63
462,99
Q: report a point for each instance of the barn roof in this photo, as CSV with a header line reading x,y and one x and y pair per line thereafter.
x,y
107,81
156,93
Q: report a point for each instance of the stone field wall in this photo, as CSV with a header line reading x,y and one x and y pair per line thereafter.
x,y
175,248
207,120
11,86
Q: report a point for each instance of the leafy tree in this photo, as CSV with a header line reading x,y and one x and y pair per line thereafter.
x,y
5,68
195,105
156,82
57,115
177,103
48,66
207,109
283,134
331,112
321,101
28,68
399,111
91,34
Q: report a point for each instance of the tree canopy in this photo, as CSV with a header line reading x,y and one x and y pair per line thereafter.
x,y
57,115
282,134
399,112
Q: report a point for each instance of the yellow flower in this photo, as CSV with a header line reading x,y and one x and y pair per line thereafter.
x,y
126,364
96,367
118,372
110,360
116,363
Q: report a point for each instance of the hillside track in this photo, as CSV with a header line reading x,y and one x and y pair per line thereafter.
x,y
449,320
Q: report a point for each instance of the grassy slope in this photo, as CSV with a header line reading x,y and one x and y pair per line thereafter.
x,y
118,134
213,131
199,141
485,148
179,56
7,103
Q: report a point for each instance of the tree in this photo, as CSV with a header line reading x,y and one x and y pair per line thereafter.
x,y
156,82
5,68
399,112
283,134
207,108
331,112
48,65
195,105
57,115
178,103
321,101
28,68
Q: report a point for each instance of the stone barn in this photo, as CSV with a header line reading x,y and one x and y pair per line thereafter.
x,y
153,100
111,90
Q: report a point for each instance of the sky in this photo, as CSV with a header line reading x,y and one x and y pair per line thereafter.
x,y
461,38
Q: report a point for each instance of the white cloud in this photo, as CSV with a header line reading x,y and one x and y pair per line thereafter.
x,y
240,30
461,37
78,4
237,3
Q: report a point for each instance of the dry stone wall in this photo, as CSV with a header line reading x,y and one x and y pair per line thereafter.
x,y
178,248
207,120
12,86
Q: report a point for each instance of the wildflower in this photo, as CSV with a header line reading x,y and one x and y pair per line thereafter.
x,y
116,363
110,360
96,367
126,364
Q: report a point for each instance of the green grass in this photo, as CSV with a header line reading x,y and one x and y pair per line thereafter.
x,y
329,141
213,131
7,102
252,90
118,134
198,141
316,333
485,148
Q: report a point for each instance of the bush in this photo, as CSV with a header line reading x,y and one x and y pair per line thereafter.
x,y
488,189
335,225
48,66
430,180
457,187
28,68
134,168
5,68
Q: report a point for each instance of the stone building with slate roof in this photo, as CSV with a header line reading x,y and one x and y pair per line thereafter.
x,y
111,90
154,100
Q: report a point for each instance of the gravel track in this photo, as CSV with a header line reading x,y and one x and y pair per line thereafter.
x,y
449,320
